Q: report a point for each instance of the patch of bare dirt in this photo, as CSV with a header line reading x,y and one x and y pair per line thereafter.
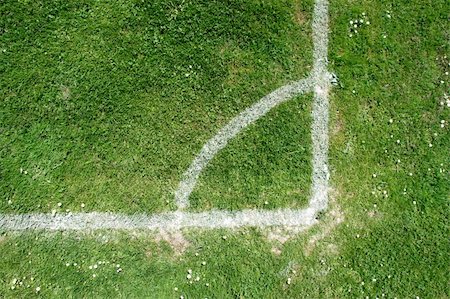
x,y
175,239
332,220
280,235
65,92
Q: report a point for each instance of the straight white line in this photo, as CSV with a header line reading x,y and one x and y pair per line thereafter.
x,y
320,111
167,221
236,125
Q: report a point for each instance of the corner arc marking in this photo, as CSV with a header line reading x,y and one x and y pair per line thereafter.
x,y
229,131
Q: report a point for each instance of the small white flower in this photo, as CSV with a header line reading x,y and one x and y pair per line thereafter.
x,y
374,175
367,23
189,276
442,121
59,204
175,289
224,237
9,201
391,121
430,145
94,275
190,271
67,264
95,266
82,205
203,263
266,202
118,266
363,14
355,26
38,289
289,280
53,212
207,284
197,278
351,23
398,141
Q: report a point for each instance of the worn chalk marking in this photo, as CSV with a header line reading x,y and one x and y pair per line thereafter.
x,y
318,82
166,221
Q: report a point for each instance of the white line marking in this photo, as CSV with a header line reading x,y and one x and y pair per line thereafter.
x,y
318,82
237,124
319,127
170,221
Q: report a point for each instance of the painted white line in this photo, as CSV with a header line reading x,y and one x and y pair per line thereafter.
x,y
320,111
317,82
237,124
167,221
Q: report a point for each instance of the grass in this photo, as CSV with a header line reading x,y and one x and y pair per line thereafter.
x,y
107,103
393,243
268,165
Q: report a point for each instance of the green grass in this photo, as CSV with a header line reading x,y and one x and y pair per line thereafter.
x,y
107,103
394,244
269,165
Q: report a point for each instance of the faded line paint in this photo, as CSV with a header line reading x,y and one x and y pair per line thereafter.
x,y
168,221
320,111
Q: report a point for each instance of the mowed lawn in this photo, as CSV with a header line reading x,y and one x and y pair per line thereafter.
x,y
385,234
105,104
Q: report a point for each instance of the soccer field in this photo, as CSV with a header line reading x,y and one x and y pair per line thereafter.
x,y
168,149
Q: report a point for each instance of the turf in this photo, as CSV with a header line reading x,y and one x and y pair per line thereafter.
x,y
107,103
392,240
268,165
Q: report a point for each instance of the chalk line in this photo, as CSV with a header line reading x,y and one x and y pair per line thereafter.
x,y
320,111
167,221
318,82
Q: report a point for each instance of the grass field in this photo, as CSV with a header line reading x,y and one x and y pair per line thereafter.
x,y
99,105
